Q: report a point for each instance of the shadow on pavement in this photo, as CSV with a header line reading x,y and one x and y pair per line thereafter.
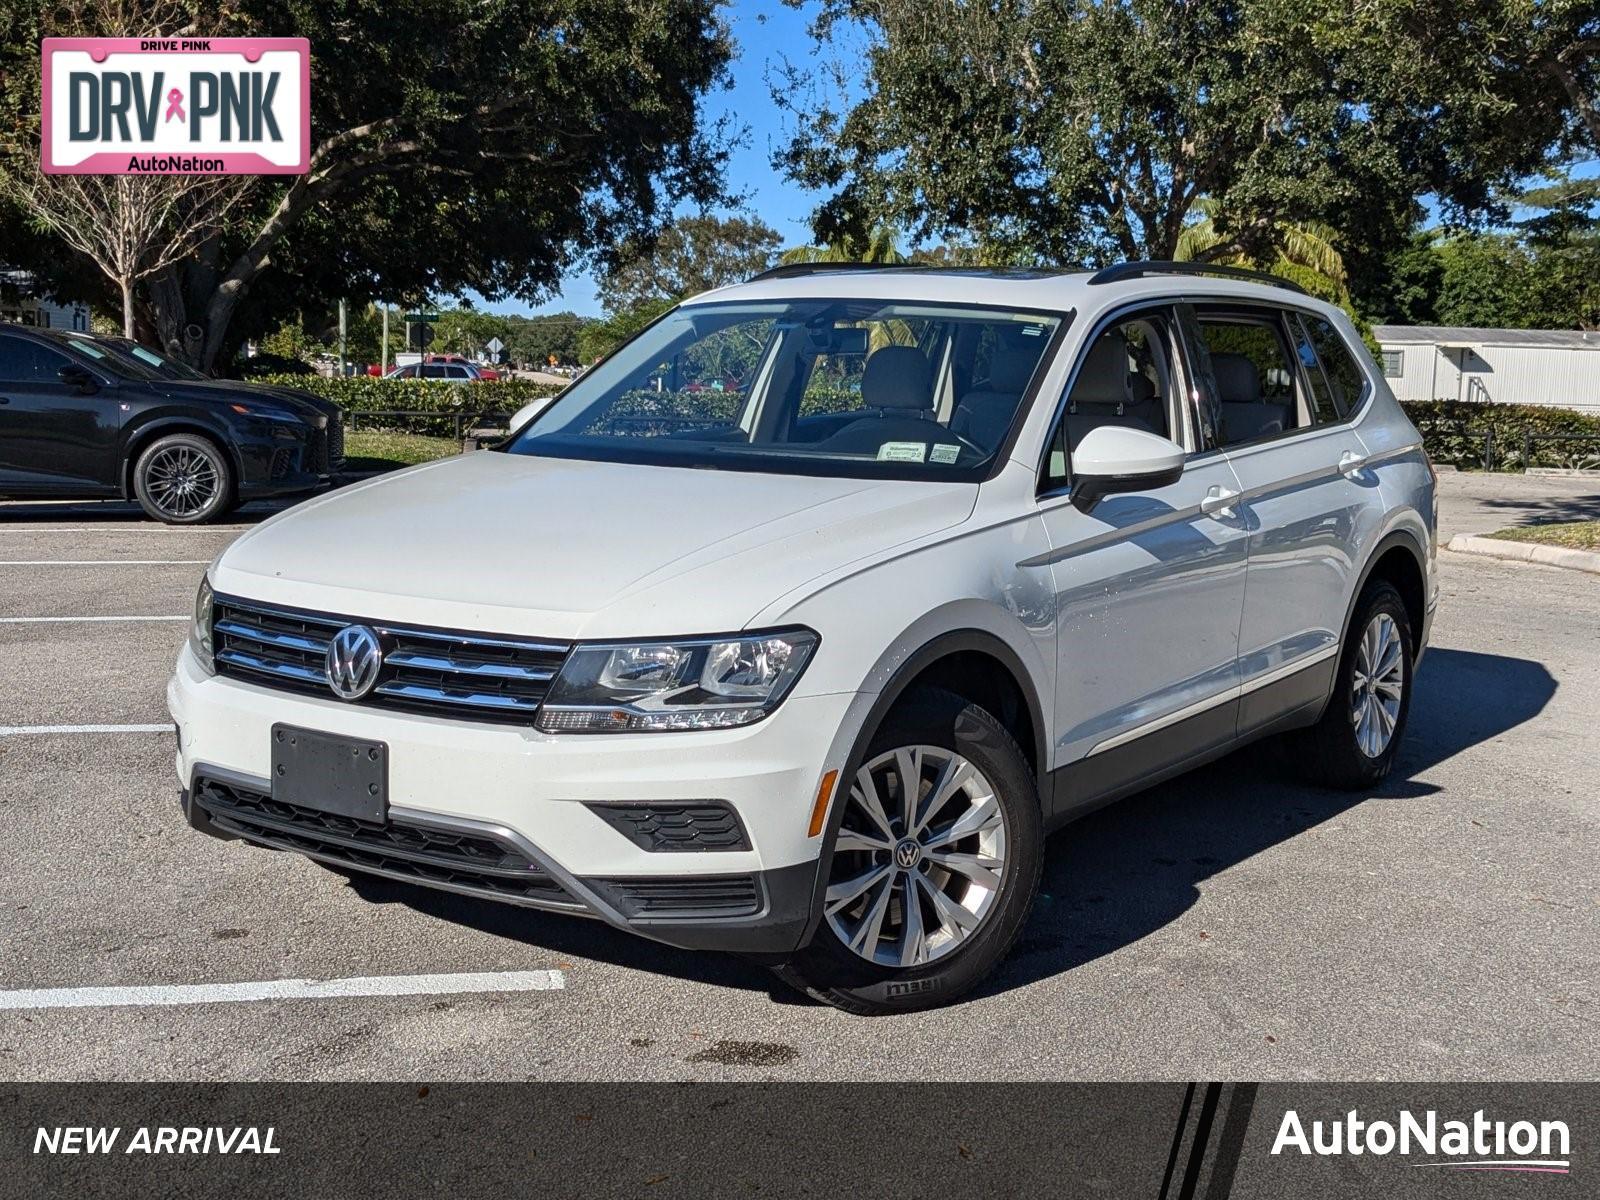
x,y
1124,872
1547,510
1119,874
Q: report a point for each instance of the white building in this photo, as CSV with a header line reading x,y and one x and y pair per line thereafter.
x,y
20,304
1557,367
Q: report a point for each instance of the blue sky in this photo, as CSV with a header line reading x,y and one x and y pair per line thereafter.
x,y
766,32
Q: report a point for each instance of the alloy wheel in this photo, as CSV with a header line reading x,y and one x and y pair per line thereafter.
x,y
182,481
1378,685
920,857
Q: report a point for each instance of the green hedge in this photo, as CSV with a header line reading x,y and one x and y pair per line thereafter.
x,y
368,393
1454,434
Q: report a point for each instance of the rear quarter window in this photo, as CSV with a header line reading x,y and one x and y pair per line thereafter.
x,y
1345,378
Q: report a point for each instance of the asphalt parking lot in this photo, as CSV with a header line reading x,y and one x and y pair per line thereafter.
x,y
1234,924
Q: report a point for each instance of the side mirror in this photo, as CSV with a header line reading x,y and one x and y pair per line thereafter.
x,y
524,416
1114,459
77,377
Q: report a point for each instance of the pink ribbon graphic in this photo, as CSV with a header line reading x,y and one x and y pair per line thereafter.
x,y
175,105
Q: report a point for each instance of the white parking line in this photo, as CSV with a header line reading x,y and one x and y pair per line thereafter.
x,y
69,620
284,989
43,730
103,562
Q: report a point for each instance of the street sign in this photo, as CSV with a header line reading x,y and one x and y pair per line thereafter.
x,y
495,346
419,318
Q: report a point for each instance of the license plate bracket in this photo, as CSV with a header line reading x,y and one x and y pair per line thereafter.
x,y
329,773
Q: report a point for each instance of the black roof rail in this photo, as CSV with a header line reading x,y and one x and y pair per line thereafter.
x,y
1138,270
796,270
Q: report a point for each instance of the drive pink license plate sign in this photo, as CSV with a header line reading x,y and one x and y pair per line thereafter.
x,y
164,106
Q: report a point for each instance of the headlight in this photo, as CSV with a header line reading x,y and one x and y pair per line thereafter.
x,y
702,683
200,628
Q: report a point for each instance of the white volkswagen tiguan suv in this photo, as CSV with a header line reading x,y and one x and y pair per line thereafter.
x,y
796,625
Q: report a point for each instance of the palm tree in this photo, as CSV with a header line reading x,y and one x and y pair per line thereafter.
x,y
1305,254
880,245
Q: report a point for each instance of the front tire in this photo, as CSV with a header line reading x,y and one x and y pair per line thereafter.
x,y
1353,746
183,479
930,885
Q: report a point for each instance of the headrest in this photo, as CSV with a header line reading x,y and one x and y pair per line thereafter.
x,y
1103,378
1238,381
897,377
1010,369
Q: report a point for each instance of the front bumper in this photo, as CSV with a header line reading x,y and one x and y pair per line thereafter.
x,y
521,799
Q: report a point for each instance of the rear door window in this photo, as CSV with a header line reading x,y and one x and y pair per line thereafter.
x,y
1265,375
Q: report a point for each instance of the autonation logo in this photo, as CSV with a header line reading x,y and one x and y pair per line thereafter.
x,y
1478,1144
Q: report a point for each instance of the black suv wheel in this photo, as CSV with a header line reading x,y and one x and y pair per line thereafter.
x,y
183,479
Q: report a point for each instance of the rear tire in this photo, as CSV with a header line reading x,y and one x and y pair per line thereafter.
x,y
969,863
1353,746
183,479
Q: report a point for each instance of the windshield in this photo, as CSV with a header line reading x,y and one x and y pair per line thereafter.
x,y
148,358
862,388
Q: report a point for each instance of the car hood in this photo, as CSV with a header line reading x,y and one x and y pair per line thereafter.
x,y
571,549
227,391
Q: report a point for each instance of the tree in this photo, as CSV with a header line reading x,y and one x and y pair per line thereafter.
x,y
691,255
130,227
456,145
1482,92
466,331
880,244
1306,254
534,340
1087,130
599,338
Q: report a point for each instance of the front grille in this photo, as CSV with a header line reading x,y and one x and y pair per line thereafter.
x,y
315,461
682,896
336,442
467,862
693,825
435,671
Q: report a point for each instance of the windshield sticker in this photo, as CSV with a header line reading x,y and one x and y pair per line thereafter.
x,y
945,454
902,452
91,351
155,360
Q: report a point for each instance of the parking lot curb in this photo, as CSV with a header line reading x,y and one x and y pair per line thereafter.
x,y
1550,556
1562,472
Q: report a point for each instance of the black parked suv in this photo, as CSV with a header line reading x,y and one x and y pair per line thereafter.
x,y
88,417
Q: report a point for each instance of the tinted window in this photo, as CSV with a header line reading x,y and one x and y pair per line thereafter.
x,y
1126,378
22,361
1344,376
1255,377
434,371
1323,409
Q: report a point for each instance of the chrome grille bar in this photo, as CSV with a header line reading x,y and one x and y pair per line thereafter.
x,y
489,677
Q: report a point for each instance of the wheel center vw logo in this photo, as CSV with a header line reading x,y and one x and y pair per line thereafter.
x,y
354,657
907,854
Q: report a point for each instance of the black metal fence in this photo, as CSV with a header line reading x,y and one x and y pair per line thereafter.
x,y
1459,444
432,422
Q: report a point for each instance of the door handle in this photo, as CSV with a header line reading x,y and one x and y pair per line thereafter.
x,y
5,399
1219,501
1351,464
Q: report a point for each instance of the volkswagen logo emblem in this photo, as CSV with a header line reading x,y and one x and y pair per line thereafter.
x,y
907,854
354,657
